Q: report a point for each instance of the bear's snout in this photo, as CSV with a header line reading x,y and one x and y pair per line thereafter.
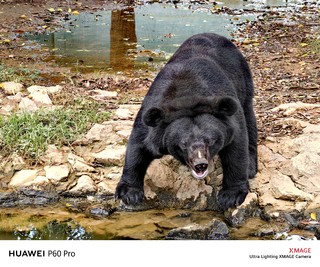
x,y
198,160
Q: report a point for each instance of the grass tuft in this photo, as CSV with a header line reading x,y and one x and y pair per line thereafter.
x,y
29,134
18,74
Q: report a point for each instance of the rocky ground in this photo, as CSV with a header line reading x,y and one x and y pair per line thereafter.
x,y
283,50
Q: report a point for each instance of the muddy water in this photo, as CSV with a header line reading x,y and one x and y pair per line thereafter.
x,y
58,223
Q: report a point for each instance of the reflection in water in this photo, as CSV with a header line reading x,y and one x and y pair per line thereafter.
x,y
54,230
123,39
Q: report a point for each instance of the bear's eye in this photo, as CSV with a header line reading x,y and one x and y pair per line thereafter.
x,y
210,141
183,144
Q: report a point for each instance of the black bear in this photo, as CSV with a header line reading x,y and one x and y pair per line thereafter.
x,y
199,105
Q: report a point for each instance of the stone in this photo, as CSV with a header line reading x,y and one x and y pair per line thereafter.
x,y
107,187
215,230
112,173
38,181
11,88
268,158
314,207
7,108
133,108
120,125
123,114
291,108
170,184
15,98
103,94
22,177
111,155
78,164
85,185
54,156
283,188
28,105
124,134
44,89
58,173
247,209
41,98
98,132
18,163
219,230
306,168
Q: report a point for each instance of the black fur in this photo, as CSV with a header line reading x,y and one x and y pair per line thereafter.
x,y
200,101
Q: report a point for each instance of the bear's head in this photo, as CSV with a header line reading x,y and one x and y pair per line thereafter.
x,y
194,130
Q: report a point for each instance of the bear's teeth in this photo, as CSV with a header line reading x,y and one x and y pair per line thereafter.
x,y
199,176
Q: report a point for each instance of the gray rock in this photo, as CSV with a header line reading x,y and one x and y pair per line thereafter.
x,y
249,208
215,230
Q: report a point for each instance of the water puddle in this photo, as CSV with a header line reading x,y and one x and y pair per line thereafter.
x,y
144,37
57,223
141,37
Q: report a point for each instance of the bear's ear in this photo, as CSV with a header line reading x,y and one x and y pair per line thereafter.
x,y
153,117
225,106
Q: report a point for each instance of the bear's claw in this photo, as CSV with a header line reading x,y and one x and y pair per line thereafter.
x,y
231,197
129,195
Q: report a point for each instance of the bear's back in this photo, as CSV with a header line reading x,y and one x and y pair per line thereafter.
x,y
206,64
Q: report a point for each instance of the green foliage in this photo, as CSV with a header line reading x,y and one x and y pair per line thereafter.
x,y
315,47
19,74
29,134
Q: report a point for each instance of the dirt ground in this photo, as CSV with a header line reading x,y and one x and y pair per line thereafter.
x,y
282,48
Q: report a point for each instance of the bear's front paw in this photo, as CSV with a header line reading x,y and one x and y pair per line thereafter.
x,y
232,197
130,195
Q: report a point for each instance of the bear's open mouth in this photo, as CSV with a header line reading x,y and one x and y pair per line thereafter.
x,y
199,168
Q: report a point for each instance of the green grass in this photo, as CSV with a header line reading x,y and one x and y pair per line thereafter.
x,y
29,134
18,74
315,47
